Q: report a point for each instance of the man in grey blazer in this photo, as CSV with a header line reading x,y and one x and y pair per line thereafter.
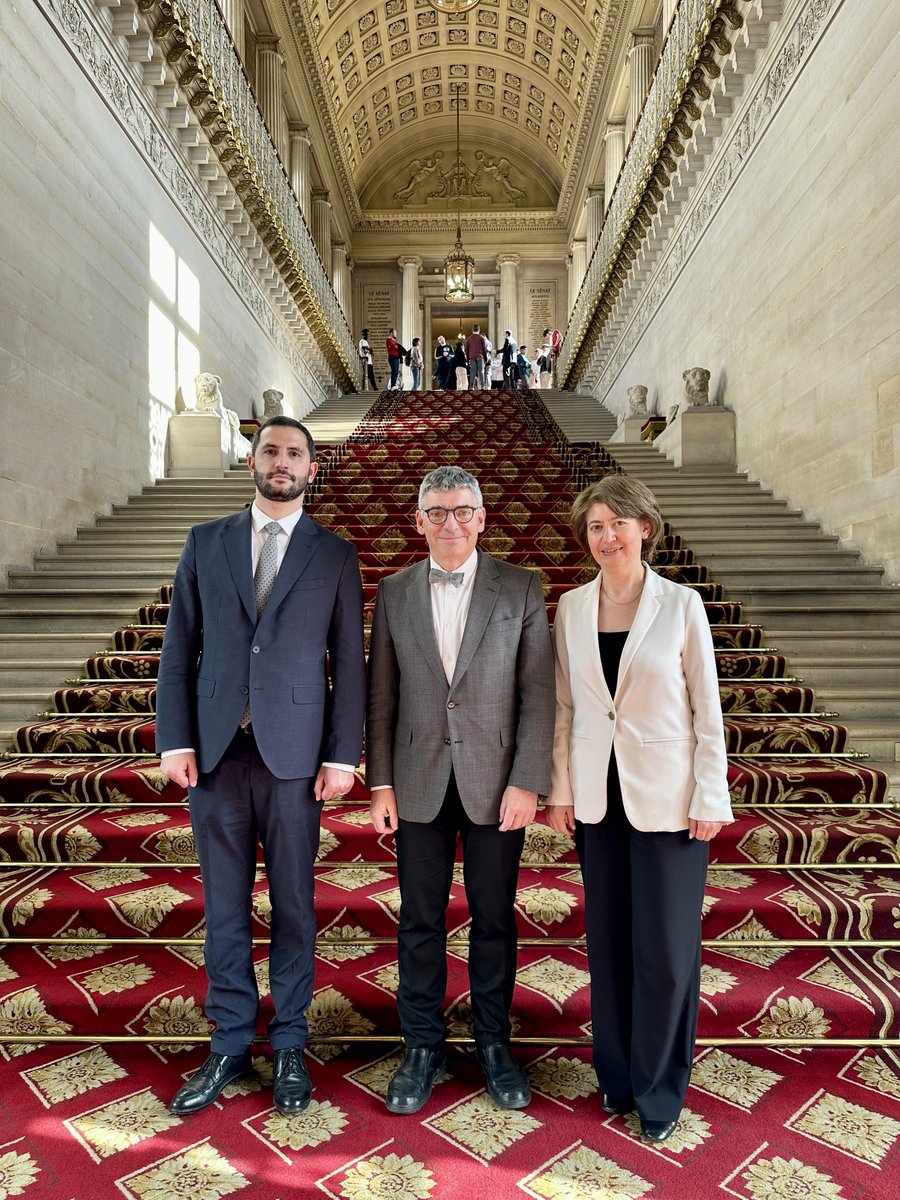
x,y
262,601
459,739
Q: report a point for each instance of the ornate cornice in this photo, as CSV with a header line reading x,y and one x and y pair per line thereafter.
x,y
679,90
762,98
100,55
195,42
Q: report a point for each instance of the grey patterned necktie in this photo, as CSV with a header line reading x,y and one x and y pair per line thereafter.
x,y
436,575
263,582
267,567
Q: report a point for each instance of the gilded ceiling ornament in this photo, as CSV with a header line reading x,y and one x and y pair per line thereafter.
x,y
452,6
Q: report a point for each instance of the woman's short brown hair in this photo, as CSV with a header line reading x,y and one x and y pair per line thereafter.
x,y
626,497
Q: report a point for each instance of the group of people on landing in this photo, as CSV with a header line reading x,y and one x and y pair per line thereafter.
x,y
472,363
474,717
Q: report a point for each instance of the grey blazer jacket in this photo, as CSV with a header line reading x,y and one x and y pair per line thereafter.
x,y
492,724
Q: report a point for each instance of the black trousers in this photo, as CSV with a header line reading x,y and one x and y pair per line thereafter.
x,y
643,899
233,808
425,857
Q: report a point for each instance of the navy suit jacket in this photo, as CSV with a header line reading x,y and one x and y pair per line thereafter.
x,y
216,657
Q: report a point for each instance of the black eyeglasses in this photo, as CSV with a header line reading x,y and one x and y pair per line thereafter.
x,y
437,516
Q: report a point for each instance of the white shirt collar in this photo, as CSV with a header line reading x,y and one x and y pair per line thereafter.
x,y
468,568
261,519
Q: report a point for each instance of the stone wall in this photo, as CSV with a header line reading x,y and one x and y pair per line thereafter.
x,y
791,295
82,427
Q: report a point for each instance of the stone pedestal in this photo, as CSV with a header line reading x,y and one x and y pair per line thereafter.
x,y
700,437
629,431
203,444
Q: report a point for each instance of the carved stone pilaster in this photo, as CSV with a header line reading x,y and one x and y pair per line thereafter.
x,y
299,163
641,61
270,91
508,266
615,156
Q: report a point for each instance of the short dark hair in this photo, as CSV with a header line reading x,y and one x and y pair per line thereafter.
x,y
626,497
290,423
365,333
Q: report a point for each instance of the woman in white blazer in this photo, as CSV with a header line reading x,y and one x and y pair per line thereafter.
x,y
639,778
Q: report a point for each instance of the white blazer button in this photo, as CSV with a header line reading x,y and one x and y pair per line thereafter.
x,y
611,715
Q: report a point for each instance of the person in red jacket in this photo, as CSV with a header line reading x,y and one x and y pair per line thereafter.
x,y
393,353
476,353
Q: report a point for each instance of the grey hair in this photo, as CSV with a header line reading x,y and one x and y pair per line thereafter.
x,y
448,479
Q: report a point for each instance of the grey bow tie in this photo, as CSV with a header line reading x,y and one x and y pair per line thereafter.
x,y
436,575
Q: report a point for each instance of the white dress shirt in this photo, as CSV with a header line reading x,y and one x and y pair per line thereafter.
x,y
258,521
450,609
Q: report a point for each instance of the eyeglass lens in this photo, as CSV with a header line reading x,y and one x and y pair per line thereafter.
x,y
437,516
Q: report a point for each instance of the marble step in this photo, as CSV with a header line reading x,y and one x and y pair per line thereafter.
x,y
38,672
787,557
63,613
799,573
20,704
859,702
47,645
836,641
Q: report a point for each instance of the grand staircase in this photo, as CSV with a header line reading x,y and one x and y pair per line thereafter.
x,y
100,904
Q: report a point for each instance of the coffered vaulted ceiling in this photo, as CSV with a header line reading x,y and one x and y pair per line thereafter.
x,y
534,80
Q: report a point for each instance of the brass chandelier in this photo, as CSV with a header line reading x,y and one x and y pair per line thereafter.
x,y
459,267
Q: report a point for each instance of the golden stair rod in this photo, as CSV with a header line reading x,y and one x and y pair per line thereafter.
x,y
344,864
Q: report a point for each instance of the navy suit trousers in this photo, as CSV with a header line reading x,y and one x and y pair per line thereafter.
x,y
233,808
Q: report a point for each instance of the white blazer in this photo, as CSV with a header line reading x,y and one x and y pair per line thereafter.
x,y
665,719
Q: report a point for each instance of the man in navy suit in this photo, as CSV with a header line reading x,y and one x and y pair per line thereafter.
x,y
266,605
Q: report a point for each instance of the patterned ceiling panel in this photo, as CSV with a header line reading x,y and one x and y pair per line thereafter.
x,y
528,72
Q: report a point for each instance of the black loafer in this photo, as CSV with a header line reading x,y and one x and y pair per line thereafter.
x,y
293,1089
658,1131
413,1080
209,1081
616,1105
507,1083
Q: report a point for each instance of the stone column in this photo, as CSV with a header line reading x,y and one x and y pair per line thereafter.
x,y
233,12
269,91
339,273
299,139
641,61
615,155
508,266
668,11
577,268
594,205
320,227
410,265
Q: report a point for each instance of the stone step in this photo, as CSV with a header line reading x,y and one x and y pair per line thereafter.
x,y
879,737
800,574
788,556
38,672
836,641
820,670
140,584
749,541
835,596
775,612
47,645
19,705
97,557
859,702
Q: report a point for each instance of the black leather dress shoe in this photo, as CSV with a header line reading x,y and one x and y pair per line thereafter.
x,y
658,1131
293,1089
209,1081
413,1080
507,1083
617,1105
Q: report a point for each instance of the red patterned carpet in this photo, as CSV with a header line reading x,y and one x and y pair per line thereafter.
x,y
90,1123
101,923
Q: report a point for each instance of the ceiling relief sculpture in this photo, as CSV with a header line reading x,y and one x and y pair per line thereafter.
x,y
531,74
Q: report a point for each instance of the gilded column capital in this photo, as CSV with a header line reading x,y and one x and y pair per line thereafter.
x,y
410,260
508,260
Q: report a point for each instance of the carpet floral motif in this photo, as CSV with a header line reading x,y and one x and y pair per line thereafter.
x,y
25,1013
483,1128
148,908
76,951
335,944
555,980
388,1177
732,1079
17,1172
693,1130
794,1017
563,1078
789,1179
199,1173
583,1174
124,1123
714,981
850,1127
75,1074
877,1074
117,977
176,1016
546,905
318,1124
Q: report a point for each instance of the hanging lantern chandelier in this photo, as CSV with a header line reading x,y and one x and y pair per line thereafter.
x,y
459,267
